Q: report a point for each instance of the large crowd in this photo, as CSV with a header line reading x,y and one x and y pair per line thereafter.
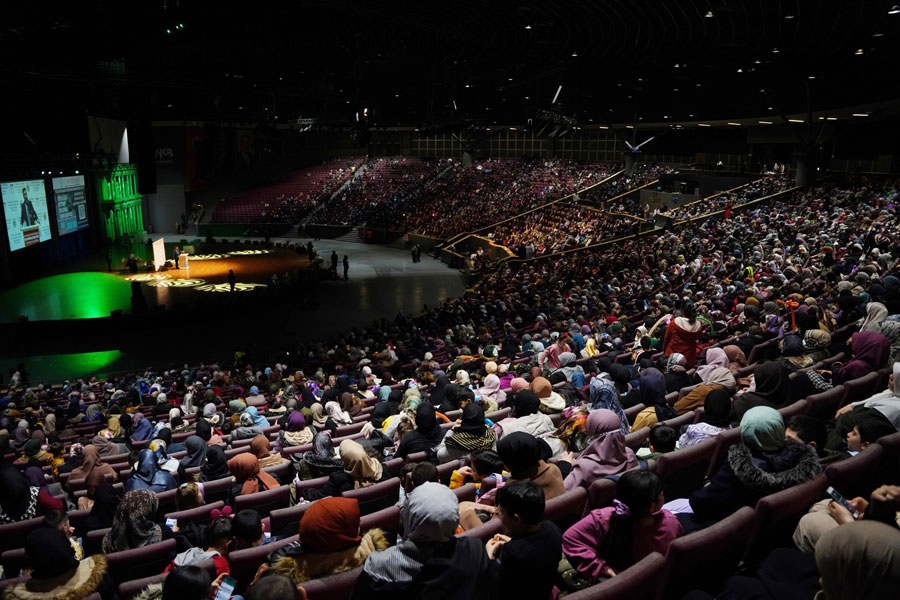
x,y
766,186
419,454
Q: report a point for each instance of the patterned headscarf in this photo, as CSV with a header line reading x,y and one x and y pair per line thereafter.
x,y
133,526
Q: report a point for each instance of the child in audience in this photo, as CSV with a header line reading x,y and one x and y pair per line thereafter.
x,y
189,495
613,538
810,430
663,439
484,464
57,519
867,431
247,530
219,538
531,546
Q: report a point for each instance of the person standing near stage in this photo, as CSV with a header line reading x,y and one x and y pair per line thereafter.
x,y
334,262
108,260
231,280
177,255
346,267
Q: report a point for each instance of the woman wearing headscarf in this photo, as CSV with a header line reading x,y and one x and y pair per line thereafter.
x,y
676,373
890,329
56,572
551,402
771,388
490,393
606,454
106,447
567,371
590,348
412,397
523,455
50,423
248,478
351,405
469,434
21,435
652,391
320,420
113,429
196,452
859,561
294,432
716,419
431,562
793,355
215,465
338,416
134,525
426,436
92,462
149,476
205,432
260,448
816,342
875,314
321,460
526,416
870,353
715,358
19,500
143,429
247,428
360,470
439,392
683,334
210,415
106,501
720,378
258,420
329,542
736,357
35,455
603,396
761,464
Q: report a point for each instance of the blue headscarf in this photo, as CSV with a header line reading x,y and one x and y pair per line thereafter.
x,y
257,419
143,429
603,395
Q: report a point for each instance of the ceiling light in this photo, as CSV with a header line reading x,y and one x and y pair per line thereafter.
x,y
795,120
703,125
765,122
467,85
512,128
788,16
677,65
528,27
574,54
757,62
812,77
738,124
770,108
859,51
709,14
831,118
740,71
894,10
860,114
775,50
879,34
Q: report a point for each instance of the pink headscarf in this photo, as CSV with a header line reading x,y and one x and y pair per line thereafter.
x,y
518,384
715,357
491,389
607,453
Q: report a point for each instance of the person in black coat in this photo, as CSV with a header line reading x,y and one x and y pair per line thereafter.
x,y
425,436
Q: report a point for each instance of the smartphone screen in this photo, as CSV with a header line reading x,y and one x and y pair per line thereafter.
x,y
226,589
842,501
172,524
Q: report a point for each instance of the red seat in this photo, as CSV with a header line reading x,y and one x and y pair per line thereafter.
x,y
601,493
264,502
682,471
285,521
890,459
637,582
632,412
12,535
704,559
140,562
333,587
825,404
797,408
466,493
859,475
376,497
485,531
679,421
777,516
244,563
387,519
199,514
724,441
860,389
567,509
93,541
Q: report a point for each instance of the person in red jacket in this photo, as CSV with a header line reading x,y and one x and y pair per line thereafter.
x,y
20,499
683,334
218,541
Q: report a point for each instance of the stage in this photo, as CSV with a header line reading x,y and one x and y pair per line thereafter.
x,y
192,317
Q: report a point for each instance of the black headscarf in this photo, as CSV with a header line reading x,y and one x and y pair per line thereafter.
x,y
772,381
204,430
717,408
525,403
196,452
381,412
16,497
520,452
439,393
216,465
426,421
49,553
472,420
106,501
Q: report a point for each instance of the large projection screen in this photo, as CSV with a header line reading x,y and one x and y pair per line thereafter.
x,y
71,204
25,209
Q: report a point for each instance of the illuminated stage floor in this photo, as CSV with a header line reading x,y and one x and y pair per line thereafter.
x,y
382,281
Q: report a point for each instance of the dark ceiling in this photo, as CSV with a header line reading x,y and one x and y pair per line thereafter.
x,y
409,61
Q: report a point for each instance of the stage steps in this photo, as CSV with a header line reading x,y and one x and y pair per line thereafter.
x,y
400,242
351,236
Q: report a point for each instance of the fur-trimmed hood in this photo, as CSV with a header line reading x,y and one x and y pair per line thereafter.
x,y
72,585
152,592
312,565
771,472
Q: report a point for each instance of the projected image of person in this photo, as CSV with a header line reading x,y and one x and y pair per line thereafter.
x,y
29,216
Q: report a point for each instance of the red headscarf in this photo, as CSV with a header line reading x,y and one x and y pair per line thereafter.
x,y
330,525
245,468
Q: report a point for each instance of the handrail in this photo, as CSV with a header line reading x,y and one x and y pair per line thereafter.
x,y
631,191
460,236
718,194
649,231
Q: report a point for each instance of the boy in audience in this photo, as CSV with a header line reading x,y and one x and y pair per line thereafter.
x,y
219,537
58,519
524,562
247,529
663,439
867,431
812,431
484,464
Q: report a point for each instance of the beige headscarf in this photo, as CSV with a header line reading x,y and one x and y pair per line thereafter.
x,y
364,469
860,561
318,414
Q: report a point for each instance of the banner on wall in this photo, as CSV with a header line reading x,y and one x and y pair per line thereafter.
x,y
159,253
